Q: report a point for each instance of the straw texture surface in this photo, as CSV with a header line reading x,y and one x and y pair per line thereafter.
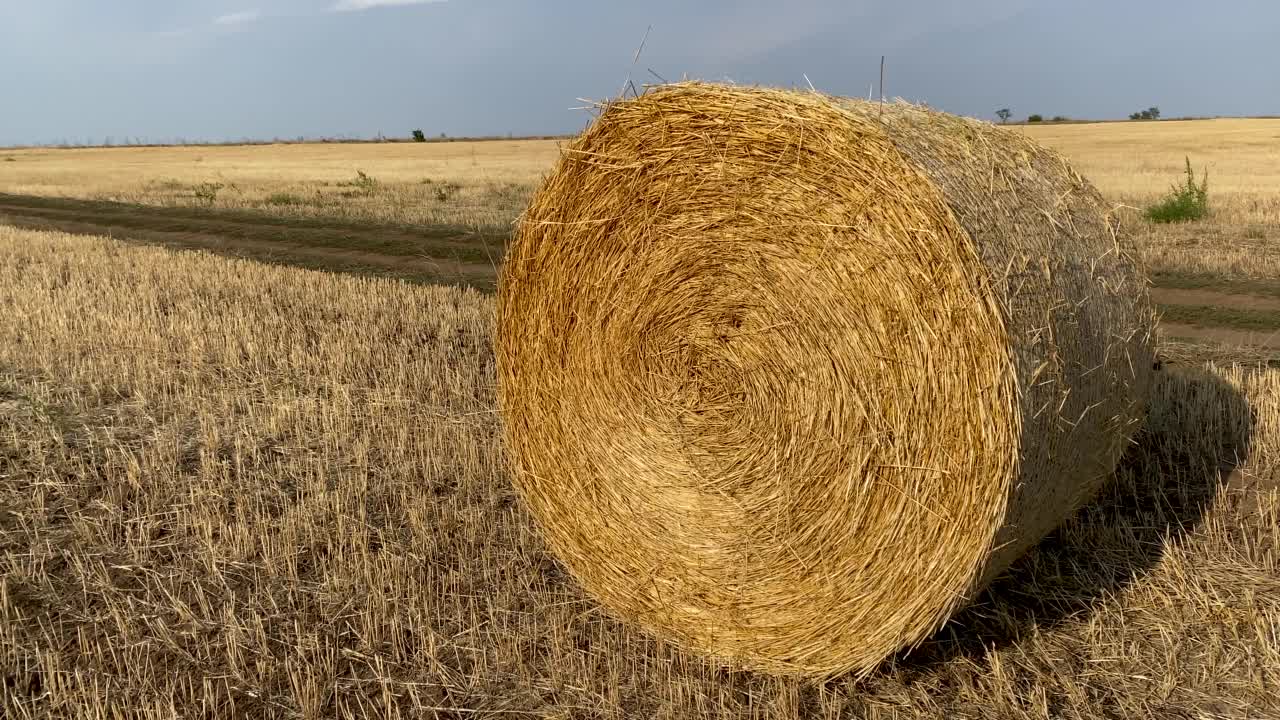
x,y
788,378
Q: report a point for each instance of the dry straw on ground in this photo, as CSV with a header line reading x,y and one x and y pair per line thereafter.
x,y
229,489
788,378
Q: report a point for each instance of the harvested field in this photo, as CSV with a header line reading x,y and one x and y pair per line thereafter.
x,y
1133,164
439,254
473,184
480,188
231,488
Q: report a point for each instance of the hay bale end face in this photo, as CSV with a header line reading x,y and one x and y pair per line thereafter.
x,y
787,379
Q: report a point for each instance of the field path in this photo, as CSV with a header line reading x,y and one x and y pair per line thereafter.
x,y
431,254
1198,296
464,257
1221,335
1201,315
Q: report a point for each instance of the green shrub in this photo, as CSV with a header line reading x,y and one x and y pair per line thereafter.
x,y
1184,202
284,198
207,192
1035,118
419,136
167,184
446,191
363,183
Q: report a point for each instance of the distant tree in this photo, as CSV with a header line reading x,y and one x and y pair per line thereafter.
x,y
1060,118
1035,118
1151,113
419,136
1004,114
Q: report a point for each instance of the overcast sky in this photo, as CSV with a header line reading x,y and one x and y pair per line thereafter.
x,y
83,70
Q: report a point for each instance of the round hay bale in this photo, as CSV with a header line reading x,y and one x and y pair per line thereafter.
x,y
787,379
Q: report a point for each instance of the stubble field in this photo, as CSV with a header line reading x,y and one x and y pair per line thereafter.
x,y
440,212
230,487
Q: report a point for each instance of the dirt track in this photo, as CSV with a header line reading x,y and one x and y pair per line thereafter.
x,y
1171,299
1182,296
1221,335
449,255
427,254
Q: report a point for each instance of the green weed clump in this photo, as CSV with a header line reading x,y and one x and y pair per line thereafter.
x,y
207,192
285,198
364,185
1185,201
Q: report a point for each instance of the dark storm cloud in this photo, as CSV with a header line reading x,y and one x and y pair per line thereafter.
x,y
282,68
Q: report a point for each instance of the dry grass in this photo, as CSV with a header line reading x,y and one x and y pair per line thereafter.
x,y
487,184
1135,163
463,183
789,378
233,489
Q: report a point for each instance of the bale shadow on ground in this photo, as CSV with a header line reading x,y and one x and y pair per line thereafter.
x,y
1198,431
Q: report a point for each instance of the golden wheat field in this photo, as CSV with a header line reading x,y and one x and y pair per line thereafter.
x,y
465,183
487,184
1129,162
230,488
1134,163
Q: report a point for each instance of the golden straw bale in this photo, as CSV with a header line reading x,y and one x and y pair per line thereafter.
x,y
788,378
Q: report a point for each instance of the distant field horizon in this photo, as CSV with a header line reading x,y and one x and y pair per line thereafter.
x,y
231,485
377,140
255,142
441,211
